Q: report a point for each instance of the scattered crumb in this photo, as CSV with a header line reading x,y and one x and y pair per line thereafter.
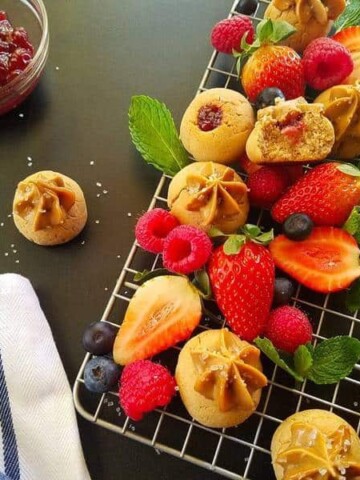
x,y
10,215
110,404
21,115
14,251
106,289
356,404
118,256
98,184
157,451
29,159
17,261
2,224
98,195
92,162
83,242
12,245
246,459
30,164
6,254
57,68
129,214
105,192
97,221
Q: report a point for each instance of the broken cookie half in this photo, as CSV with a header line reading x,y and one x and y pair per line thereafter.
x,y
291,132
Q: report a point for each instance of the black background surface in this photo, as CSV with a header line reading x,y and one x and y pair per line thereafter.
x,y
105,52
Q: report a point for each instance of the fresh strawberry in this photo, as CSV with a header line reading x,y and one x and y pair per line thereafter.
x,y
272,65
243,286
326,261
247,166
325,193
350,38
163,311
267,185
294,171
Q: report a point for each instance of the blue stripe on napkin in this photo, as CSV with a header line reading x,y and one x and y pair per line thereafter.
x,y
11,457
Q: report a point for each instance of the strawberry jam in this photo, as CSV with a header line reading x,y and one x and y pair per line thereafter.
x,y
293,126
16,51
209,117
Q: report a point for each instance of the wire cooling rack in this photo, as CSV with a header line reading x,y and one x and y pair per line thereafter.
x,y
242,452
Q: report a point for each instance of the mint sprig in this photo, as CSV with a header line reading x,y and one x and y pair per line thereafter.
x,y
154,135
266,346
329,362
334,359
350,16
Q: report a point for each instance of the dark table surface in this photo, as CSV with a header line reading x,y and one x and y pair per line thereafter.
x,y
101,54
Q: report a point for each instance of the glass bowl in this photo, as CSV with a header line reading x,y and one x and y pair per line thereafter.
x,y
30,14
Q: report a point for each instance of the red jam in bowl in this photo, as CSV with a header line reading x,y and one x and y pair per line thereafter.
x,y
16,51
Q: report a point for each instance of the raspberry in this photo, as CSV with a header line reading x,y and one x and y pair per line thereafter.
x,y
186,249
326,63
267,185
226,35
145,385
153,227
287,328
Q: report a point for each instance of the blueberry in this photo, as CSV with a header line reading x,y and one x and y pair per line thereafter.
x,y
100,374
298,226
99,338
267,97
247,7
284,290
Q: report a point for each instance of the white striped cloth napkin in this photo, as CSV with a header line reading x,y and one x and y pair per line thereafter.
x,y
39,438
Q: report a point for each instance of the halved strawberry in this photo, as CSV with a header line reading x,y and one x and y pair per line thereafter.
x,y
326,261
350,38
163,311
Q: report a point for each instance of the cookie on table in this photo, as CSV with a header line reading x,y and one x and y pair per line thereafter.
x,y
216,125
49,208
219,378
315,444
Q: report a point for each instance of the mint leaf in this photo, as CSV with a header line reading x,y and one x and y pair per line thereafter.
x,y
352,299
202,283
352,224
154,135
233,244
266,346
334,359
349,169
145,275
302,360
350,16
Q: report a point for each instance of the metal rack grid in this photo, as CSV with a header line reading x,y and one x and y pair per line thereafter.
x,y
242,452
